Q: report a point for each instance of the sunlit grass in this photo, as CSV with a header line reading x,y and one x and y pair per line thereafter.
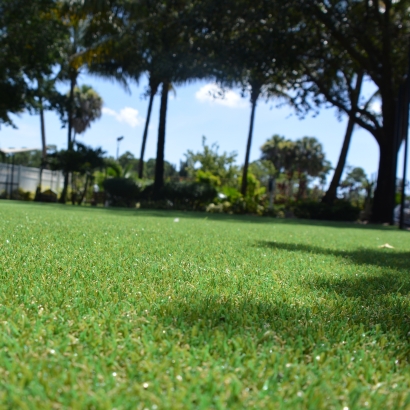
x,y
120,309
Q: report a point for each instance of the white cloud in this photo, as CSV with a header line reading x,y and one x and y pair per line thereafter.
x,y
229,98
127,114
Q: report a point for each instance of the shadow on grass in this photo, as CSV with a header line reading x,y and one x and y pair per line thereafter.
x,y
381,257
289,322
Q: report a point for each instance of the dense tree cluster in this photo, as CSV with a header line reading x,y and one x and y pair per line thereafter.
x,y
307,53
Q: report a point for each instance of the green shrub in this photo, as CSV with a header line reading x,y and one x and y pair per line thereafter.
x,y
189,195
339,211
206,177
19,194
121,191
179,195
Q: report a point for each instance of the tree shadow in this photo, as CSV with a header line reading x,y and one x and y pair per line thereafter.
x,y
378,298
276,321
386,258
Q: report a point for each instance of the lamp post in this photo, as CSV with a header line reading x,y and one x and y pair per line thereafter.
x,y
119,139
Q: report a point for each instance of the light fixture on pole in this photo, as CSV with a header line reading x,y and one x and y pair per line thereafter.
x,y
119,139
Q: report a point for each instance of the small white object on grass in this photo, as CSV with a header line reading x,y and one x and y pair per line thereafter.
x,y
176,220
386,245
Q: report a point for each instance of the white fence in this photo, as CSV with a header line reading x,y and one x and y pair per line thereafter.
x,y
27,178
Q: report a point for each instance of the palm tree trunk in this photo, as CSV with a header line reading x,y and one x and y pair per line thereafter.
x,y
73,81
43,149
331,193
63,196
43,131
159,163
70,111
73,189
80,201
144,137
254,99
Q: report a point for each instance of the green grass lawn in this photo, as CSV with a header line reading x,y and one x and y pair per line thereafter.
x,y
116,309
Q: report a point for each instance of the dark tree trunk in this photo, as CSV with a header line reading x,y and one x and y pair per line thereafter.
x,y
153,91
331,193
73,81
73,189
384,196
80,201
70,111
389,144
65,189
302,187
254,99
43,132
43,149
159,163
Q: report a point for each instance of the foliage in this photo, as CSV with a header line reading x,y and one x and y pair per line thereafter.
x,y
181,195
87,105
27,159
30,41
83,159
169,169
128,161
259,67
231,199
343,39
121,191
301,159
281,153
209,164
338,211
353,184
207,177
312,53
263,170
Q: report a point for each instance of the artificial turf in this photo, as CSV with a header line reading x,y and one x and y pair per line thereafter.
x,y
118,309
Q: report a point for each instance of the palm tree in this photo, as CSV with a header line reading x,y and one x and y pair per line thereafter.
x,y
282,154
70,72
310,161
253,58
87,105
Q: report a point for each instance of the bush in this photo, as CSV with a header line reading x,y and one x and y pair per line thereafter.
x,y
255,201
179,195
121,191
189,195
206,177
339,211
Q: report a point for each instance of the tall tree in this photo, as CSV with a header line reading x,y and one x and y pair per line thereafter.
x,y
310,161
331,192
87,108
153,88
373,36
250,49
76,25
30,41
162,32
85,44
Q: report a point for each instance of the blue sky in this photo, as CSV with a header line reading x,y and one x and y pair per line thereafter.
x,y
192,113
